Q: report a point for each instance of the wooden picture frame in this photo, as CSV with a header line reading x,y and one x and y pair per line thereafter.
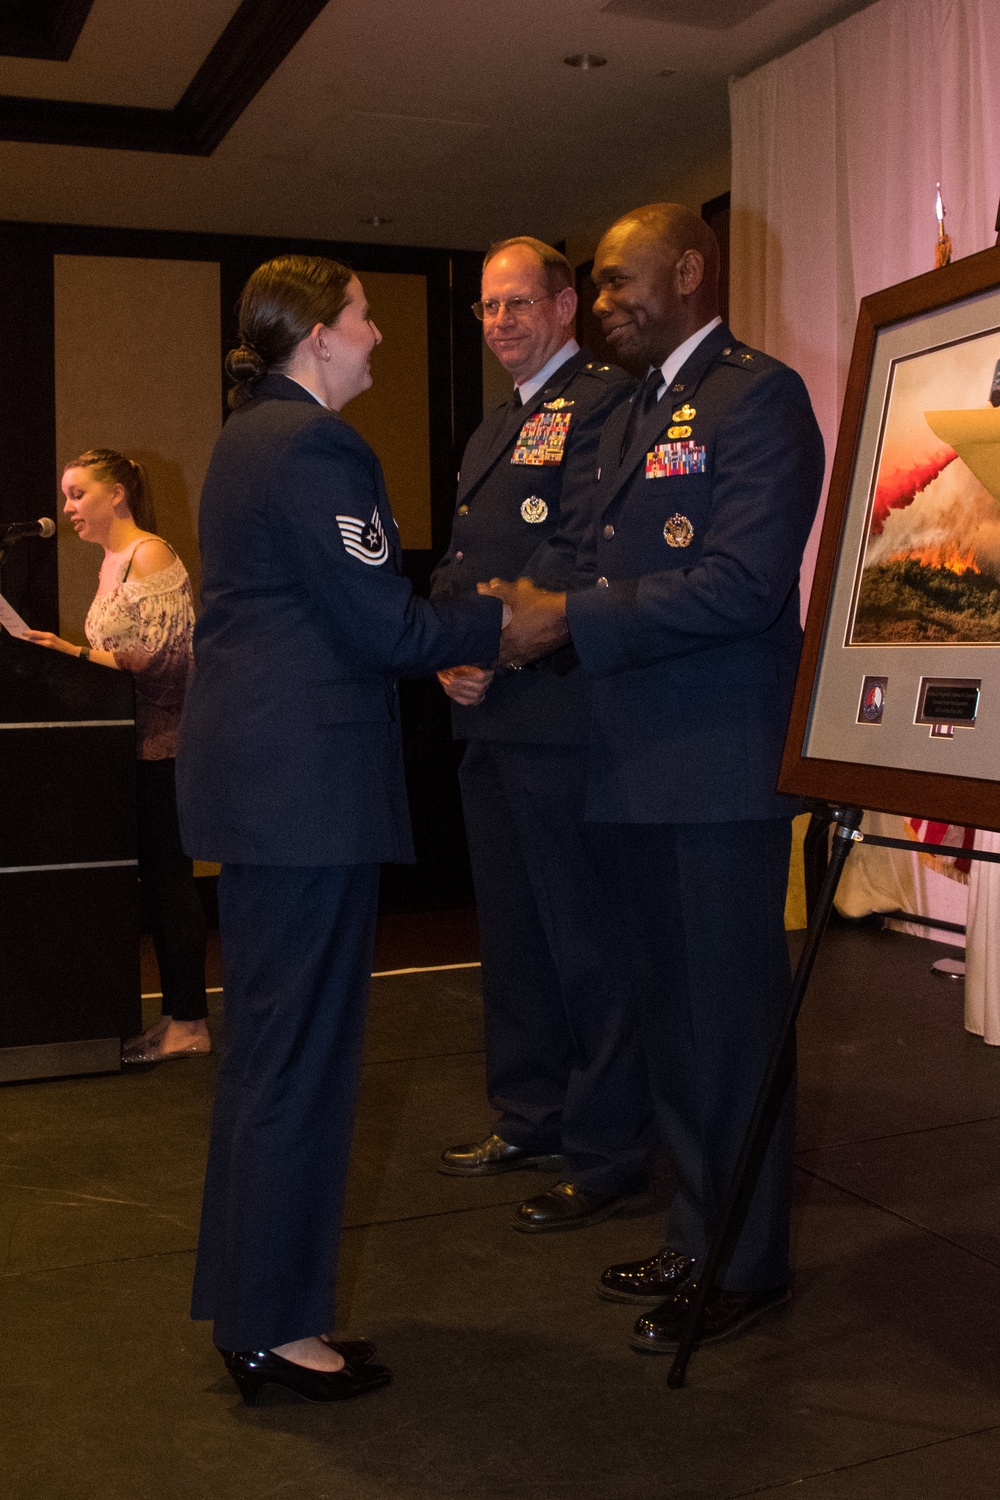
x,y
897,703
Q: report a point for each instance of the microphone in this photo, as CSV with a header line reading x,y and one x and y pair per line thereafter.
x,y
44,526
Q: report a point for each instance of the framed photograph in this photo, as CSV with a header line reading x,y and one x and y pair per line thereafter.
x,y
897,705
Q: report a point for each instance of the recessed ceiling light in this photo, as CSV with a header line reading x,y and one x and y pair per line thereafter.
x,y
585,60
375,219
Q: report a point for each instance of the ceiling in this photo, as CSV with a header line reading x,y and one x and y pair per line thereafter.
x,y
455,119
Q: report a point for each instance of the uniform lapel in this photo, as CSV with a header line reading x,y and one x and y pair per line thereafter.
x,y
485,447
656,422
500,438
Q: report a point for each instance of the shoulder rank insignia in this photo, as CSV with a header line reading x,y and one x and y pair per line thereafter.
x,y
684,413
542,438
534,509
364,540
678,532
558,404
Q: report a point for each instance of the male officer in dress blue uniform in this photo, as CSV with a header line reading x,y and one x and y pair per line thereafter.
x,y
707,489
564,1062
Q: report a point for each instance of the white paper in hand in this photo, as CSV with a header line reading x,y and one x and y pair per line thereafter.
x,y
11,620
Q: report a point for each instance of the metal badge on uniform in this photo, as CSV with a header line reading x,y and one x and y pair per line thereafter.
x,y
670,460
678,532
679,432
684,413
558,404
364,540
542,438
534,510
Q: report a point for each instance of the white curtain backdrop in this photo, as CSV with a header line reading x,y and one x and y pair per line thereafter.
x,y
837,151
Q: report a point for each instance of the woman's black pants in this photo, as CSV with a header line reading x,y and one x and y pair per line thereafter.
x,y
176,913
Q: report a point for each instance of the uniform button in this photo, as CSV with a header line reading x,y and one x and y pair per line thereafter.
x,y
463,510
459,556
608,533
726,351
602,583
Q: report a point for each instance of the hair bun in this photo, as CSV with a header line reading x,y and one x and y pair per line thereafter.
x,y
244,365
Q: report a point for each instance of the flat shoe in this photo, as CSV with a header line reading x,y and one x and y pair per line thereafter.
x,y
725,1315
487,1158
567,1206
252,1369
148,1057
646,1283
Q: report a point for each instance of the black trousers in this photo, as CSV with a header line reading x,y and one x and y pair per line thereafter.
x,y
167,875
564,1059
297,946
704,904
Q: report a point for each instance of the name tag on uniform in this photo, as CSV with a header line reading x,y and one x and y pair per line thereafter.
x,y
542,438
668,460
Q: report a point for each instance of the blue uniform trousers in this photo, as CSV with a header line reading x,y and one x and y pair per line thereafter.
x,y
297,947
707,902
564,1062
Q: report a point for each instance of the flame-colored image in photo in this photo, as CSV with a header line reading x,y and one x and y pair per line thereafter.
x,y
931,567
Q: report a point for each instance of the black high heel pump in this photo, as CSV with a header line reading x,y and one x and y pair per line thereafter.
x,y
353,1352
252,1369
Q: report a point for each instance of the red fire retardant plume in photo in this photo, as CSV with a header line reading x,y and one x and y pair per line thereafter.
x,y
898,487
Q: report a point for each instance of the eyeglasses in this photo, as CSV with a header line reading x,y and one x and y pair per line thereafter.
x,y
516,306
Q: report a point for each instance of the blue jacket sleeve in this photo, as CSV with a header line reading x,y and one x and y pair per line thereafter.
x,y
374,617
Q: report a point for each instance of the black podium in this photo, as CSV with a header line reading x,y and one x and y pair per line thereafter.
x,y
69,945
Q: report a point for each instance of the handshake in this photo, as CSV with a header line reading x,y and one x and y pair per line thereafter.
x,y
536,626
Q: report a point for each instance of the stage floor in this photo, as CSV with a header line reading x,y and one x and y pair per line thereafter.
x,y
880,1381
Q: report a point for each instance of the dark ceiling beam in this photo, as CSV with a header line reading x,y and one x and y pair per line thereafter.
x,y
61,122
47,29
258,38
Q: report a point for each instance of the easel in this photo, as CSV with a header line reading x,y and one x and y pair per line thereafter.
x,y
846,833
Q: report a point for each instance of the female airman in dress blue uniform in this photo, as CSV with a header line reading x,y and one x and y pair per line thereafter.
x,y
290,774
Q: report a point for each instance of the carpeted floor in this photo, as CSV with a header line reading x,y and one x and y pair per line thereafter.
x,y
880,1381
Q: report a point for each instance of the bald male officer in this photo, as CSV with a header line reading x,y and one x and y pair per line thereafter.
x,y
563,1057
708,487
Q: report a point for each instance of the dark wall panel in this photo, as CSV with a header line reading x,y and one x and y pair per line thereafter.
x,y
27,449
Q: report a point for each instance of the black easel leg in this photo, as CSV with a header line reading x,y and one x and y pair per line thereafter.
x,y
846,820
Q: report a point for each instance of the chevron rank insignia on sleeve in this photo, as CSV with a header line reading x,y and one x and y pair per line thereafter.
x,y
364,540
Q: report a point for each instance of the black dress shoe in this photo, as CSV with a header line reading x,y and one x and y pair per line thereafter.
x,y
486,1158
725,1315
566,1206
352,1351
646,1282
252,1369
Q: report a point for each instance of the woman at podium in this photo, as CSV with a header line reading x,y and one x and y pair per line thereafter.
x,y
290,773
140,621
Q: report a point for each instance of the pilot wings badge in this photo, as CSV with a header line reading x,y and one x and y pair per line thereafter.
x,y
364,540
